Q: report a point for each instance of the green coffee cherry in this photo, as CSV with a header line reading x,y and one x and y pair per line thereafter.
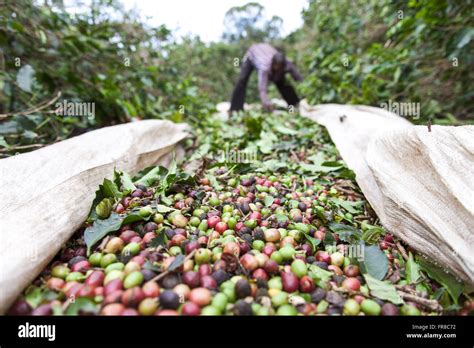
x,y
175,250
145,211
258,245
75,277
133,279
131,249
287,309
203,226
148,306
158,218
231,222
202,256
107,259
322,307
351,307
298,267
198,212
277,257
60,271
115,274
95,259
250,223
194,221
118,266
370,307
232,182
214,201
210,310
104,208
220,301
409,310
287,252
263,311
275,283
280,299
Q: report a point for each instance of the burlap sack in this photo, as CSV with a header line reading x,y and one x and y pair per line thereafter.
x,y
419,183
47,194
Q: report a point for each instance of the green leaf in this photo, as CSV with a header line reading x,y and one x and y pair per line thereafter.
x,y
214,183
285,130
3,142
319,275
25,78
271,165
313,168
34,296
202,151
383,290
81,305
268,200
319,164
254,125
17,26
329,239
302,227
349,206
372,234
166,200
412,269
321,216
110,189
345,232
159,240
150,266
448,281
151,175
133,217
375,262
313,241
468,35
162,209
100,228
9,127
266,141
346,174
176,263
123,181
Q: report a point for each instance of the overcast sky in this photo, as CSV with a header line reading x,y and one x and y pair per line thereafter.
x,y
206,17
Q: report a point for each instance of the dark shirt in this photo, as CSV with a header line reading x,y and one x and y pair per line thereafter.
x,y
261,56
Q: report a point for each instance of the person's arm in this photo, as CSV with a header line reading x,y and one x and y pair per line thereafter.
x,y
291,68
263,88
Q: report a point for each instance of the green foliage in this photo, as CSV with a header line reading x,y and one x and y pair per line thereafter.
x,y
375,262
106,57
368,52
383,290
453,286
371,51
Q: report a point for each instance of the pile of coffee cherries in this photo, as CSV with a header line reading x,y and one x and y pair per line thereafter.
x,y
227,252
235,242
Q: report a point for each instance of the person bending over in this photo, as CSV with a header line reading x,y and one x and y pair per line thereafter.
x,y
271,65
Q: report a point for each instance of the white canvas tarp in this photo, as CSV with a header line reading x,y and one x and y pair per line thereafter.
x,y
419,182
47,193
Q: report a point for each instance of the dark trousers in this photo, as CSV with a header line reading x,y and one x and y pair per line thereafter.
x,y
238,96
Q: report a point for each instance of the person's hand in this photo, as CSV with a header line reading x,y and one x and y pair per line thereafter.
x,y
268,107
